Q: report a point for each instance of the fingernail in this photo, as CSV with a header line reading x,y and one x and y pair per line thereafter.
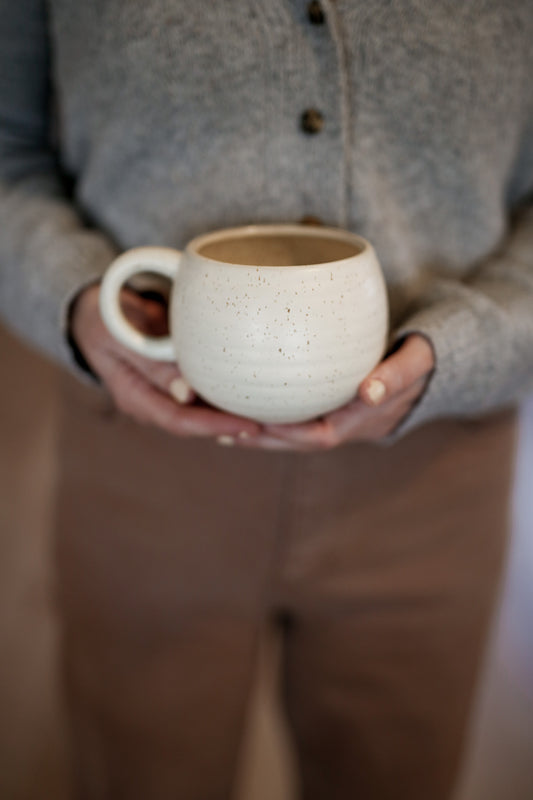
x,y
244,435
375,391
226,441
180,390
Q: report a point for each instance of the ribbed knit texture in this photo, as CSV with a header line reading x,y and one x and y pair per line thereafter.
x,y
173,118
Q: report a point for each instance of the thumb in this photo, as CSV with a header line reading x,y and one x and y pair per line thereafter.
x,y
414,360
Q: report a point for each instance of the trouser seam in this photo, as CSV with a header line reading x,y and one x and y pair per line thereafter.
x,y
275,602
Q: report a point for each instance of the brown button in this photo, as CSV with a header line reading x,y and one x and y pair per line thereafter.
x,y
315,12
309,219
312,121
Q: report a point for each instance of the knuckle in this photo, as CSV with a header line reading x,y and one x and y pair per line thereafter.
x,y
330,438
171,421
396,381
173,418
124,398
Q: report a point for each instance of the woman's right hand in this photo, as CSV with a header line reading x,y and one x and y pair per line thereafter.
x,y
150,392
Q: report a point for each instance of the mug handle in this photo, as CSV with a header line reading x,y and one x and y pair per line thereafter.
x,y
161,260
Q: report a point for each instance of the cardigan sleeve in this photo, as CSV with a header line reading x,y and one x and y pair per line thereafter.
x,y
481,330
47,251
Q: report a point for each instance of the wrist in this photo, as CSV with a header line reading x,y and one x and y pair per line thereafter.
x,y
74,314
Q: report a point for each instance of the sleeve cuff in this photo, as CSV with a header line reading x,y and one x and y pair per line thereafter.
x,y
76,356
461,383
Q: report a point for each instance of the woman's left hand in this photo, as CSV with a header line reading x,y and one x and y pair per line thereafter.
x,y
384,398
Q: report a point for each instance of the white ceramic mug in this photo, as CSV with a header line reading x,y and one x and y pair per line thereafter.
x,y
278,323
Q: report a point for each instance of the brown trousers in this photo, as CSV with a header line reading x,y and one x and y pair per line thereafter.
x,y
381,566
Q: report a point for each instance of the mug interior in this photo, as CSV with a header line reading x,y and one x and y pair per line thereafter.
x,y
278,249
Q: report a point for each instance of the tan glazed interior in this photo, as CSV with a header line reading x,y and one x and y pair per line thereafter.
x,y
278,250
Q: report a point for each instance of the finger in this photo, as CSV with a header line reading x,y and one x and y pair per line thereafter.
x,y
360,422
180,390
104,353
136,397
147,315
318,434
354,421
150,317
414,360
165,375
259,442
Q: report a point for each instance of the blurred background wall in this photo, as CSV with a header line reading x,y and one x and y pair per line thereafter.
x,y
499,765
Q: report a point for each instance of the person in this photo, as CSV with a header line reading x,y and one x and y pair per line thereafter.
x,y
373,538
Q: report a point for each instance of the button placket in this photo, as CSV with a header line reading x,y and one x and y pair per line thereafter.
x,y
311,121
315,13
318,123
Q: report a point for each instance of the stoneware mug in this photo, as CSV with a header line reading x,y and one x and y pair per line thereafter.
x,y
278,323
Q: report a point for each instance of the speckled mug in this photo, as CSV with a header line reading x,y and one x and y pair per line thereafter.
x,y
278,323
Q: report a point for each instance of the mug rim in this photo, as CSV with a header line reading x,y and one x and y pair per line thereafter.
x,y
271,229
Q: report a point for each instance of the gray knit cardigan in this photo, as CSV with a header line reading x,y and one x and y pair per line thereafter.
x,y
132,122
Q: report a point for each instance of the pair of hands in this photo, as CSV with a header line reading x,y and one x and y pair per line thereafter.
x,y
154,393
